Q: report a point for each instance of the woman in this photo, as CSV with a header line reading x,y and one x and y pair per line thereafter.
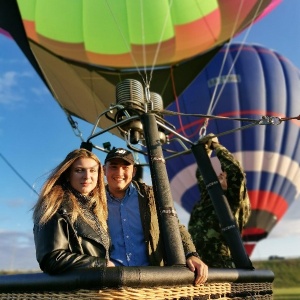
x,y
70,217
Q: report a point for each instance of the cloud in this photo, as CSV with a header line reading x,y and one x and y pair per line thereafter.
x,y
286,228
16,202
289,225
8,82
40,92
17,251
16,87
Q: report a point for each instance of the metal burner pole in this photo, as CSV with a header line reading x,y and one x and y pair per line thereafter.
x,y
227,221
167,216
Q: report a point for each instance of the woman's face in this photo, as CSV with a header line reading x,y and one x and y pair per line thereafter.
x,y
84,175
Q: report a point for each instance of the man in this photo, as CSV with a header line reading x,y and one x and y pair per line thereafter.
x,y
133,222
204,224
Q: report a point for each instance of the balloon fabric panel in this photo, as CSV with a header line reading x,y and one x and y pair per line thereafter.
x,y
127,34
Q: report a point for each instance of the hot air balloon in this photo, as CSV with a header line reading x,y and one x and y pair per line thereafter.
x,y
81,67
244,81
83,49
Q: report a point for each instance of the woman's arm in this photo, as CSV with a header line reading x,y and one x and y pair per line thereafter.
x,y
55,250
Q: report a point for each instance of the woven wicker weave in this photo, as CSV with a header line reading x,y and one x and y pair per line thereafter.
x,y
230,291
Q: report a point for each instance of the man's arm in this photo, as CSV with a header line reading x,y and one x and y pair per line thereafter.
x,y
237,194
193,261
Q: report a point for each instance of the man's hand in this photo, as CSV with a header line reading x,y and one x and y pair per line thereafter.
x,y
209,140
110,264
200,269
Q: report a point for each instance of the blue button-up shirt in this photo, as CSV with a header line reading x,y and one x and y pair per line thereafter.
x,y
125,229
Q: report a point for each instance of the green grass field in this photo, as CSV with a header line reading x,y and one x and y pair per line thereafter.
x,y
286,284
286,293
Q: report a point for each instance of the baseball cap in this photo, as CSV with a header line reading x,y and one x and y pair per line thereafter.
x,y
120,153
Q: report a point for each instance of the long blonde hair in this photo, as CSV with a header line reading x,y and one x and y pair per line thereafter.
x,y
54,192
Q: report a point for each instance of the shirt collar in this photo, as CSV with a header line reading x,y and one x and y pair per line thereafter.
x,y
131,188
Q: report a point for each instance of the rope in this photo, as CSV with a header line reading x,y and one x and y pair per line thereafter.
x,y
265,120
291,118
74,126
215,99
172,113
18,174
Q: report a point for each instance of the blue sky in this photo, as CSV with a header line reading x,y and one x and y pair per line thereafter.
x,y
35,136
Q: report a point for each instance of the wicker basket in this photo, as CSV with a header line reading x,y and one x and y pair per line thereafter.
x,y
139,283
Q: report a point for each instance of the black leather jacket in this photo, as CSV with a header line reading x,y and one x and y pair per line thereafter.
x,y
61,247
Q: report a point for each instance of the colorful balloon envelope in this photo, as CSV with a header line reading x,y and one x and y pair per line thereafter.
x,y
124,34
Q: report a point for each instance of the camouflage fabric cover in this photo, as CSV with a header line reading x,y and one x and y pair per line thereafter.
x,y
204,225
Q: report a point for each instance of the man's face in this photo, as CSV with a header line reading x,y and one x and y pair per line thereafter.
x,y
119,174
223,180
